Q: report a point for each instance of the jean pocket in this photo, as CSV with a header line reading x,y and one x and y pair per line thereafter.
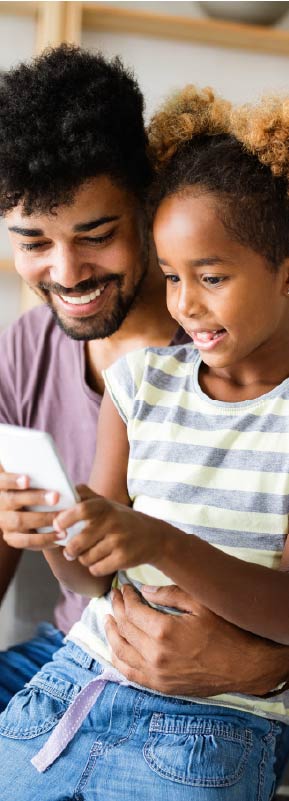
x,y
197,752
38,707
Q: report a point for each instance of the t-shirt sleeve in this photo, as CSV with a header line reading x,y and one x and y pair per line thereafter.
x,y
123,380
9,406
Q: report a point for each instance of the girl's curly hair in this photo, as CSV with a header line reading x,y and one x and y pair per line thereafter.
x,y
184,115
239,155
264,132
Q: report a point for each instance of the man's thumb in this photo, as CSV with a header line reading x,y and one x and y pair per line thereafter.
x,y
171,596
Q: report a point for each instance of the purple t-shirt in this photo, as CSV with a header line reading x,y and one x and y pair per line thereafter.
x,y
42,385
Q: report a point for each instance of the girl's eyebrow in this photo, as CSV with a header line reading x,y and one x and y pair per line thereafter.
x,y
206,262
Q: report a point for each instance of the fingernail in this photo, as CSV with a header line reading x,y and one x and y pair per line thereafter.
x,y
60,535
22,482
69,557
56,525
50,498
112,594
149,588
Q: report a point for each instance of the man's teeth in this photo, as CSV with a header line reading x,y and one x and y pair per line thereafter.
x,y
81,299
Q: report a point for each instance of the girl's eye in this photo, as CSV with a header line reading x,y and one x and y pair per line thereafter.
x,y
173,279
213,280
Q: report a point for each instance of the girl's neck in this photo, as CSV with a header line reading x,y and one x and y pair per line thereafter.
x,y
247,380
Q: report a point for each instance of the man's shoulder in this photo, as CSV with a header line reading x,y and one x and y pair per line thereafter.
x,y
34,321
32,330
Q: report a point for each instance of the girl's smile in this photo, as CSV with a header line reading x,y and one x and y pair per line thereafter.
x,y
225,295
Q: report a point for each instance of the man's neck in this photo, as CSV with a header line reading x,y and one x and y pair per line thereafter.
x,y
148,323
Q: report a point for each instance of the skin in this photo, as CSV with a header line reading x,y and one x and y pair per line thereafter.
x,y
127,633
96,241
214,282
225,287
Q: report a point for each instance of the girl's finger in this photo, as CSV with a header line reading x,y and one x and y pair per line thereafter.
x,y
85,510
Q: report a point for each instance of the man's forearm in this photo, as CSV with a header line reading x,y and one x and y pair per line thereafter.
x,y
9,558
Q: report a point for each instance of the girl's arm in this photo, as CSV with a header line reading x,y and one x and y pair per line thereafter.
x,y
109,479
109,471
252,597
248,595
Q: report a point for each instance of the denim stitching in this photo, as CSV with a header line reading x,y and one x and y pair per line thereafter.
x,y
268,739
160,723
246,740
33,731
52,689
99,749
8,729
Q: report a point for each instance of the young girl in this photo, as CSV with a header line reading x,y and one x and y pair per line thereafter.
x,y
194,437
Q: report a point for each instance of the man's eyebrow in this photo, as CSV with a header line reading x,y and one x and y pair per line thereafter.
x,y
88,226
26,231
80,227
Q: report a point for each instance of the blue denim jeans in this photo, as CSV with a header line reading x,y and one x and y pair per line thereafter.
x,y
19,663
133,745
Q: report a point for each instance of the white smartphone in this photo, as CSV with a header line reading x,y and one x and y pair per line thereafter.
x,y
34,453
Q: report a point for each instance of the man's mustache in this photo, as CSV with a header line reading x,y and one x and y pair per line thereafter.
x,y
83,286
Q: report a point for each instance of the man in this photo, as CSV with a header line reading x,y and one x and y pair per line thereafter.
x,y
73,176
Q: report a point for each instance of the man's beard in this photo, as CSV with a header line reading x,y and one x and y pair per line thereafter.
x,y
98,326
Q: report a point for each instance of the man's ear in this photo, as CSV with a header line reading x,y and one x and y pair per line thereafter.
x,y
285,271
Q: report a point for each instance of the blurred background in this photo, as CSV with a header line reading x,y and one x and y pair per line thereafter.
x,y
239,48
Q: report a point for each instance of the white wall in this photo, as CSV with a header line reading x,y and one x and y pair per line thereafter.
x,y
17,43
163,65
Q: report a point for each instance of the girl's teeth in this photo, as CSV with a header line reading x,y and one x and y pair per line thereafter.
x,y
207,335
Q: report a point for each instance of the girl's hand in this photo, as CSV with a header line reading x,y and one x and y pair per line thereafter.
x,y
114,537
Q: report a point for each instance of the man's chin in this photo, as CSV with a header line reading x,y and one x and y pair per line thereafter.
x,y
86,329
80,329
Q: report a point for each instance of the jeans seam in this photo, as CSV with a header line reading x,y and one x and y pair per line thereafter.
x,y
267,740
98,749
51,690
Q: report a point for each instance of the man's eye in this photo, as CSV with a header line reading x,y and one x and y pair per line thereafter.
x,y
31,245
98,240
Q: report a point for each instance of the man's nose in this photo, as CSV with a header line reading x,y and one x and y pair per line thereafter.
x,y
67,268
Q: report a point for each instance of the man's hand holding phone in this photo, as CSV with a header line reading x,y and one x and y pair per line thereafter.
x,y
18,522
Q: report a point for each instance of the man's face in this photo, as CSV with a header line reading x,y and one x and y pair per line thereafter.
x,y
86,260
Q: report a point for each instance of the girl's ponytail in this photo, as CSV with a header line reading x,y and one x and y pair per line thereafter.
x,y
185,115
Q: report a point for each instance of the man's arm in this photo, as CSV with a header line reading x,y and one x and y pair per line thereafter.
x,y
196,653
9,559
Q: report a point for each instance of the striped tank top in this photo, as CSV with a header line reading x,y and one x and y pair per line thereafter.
x,y
218,470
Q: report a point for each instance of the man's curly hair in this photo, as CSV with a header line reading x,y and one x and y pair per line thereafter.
x,y
241,156
66,117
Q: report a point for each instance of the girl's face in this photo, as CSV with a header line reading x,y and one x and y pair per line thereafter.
x,y
221,292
